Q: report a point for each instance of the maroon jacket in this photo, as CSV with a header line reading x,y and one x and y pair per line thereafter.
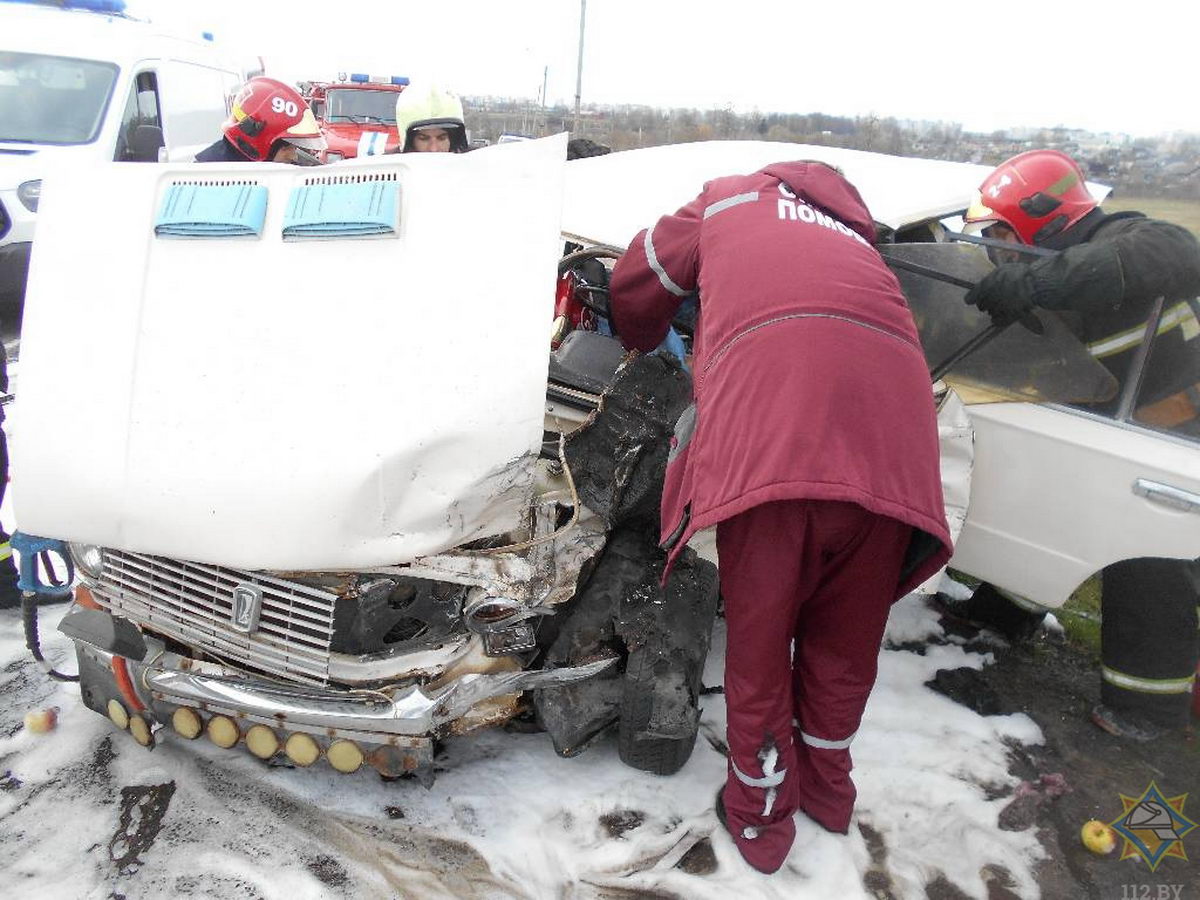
x,y
810,382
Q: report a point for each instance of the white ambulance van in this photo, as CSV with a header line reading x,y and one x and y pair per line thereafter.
x,y
81,80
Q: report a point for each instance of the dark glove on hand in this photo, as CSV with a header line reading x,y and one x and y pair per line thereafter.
x,y
1005,293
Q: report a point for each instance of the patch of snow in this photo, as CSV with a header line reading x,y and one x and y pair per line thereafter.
x,y
507,817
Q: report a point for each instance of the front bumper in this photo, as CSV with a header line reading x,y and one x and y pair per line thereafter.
x,y
394,728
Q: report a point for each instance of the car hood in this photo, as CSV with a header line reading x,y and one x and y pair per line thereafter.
x,y
263,403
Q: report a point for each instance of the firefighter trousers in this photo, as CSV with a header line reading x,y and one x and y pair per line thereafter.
x,y
807,586
1149,640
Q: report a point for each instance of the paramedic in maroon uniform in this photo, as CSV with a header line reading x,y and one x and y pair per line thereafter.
x,y
812,447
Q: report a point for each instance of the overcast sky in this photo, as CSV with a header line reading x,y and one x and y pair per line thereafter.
x,y
1105,67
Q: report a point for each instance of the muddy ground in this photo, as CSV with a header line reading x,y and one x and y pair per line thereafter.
x,y
1079,772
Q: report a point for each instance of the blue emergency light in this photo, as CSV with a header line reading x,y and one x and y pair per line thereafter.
x,y
101,6
360,78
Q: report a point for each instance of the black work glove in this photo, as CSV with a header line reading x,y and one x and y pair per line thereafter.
x,y
1005,293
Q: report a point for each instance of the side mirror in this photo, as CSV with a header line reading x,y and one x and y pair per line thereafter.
x,y
145,142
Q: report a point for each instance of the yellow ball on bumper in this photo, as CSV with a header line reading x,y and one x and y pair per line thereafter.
x,y
140,729
187,723
302,749
223,731
117,713
344,756
262,741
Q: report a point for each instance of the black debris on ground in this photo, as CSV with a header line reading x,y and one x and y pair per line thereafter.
x,y
877,880
699,860
328,870
142,810
968,687
620,821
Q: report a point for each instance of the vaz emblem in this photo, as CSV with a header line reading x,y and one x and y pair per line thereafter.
x,y
247,604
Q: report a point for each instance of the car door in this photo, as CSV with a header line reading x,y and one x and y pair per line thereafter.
x,y
1058,493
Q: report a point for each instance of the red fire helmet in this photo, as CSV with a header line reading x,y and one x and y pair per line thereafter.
x,y
266,111
1037,194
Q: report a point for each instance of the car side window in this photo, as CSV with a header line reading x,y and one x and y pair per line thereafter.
x,y
141,131
1169,394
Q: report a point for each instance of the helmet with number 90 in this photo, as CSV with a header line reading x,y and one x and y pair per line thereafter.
x,y
266,112
1037,194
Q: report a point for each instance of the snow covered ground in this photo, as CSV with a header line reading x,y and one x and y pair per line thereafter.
x,y
86,812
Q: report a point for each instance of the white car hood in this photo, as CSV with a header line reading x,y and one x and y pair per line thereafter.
x,y
289,405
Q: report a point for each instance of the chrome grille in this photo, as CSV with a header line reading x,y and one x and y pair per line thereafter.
x,y
193,603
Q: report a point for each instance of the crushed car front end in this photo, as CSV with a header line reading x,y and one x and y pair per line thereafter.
x,y
360,668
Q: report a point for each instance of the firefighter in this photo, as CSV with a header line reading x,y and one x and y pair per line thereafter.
x,y
430,120
269,122
812,447
1106,279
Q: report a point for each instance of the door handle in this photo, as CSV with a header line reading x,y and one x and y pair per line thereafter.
x,y
1175,498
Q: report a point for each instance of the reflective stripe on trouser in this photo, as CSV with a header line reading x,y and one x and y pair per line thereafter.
x,y
823,574
1149,639
5,550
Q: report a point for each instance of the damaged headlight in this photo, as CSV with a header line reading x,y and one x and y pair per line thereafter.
x,y
502,622
89,559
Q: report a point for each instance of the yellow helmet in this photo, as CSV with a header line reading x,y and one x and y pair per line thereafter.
x,y
427,106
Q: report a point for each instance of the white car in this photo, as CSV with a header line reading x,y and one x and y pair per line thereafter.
x,y
1057,491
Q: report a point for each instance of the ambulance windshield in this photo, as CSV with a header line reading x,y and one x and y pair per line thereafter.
x,y
52,99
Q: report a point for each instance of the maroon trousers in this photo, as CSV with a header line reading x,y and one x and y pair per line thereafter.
x,y
807,586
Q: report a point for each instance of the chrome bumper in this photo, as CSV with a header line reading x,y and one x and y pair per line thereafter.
x,y
162,677
410,711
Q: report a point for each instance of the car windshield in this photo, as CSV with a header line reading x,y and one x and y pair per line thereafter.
x,y
52,99
361,106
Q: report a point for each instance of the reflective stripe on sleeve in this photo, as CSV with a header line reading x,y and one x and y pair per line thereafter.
x,y
1147,685
713,208
1178,314
657,269
5,551
822,744
767,781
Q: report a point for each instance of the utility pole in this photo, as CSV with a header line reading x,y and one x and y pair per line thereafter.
x,y
579,70
545,75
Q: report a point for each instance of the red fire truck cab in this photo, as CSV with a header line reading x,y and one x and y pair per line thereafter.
x,y
357,114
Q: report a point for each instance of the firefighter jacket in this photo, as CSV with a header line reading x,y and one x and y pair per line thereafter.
x,y
221,151
809,380
1110,271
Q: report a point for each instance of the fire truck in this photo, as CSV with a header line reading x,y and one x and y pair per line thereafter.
x,y
357,114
